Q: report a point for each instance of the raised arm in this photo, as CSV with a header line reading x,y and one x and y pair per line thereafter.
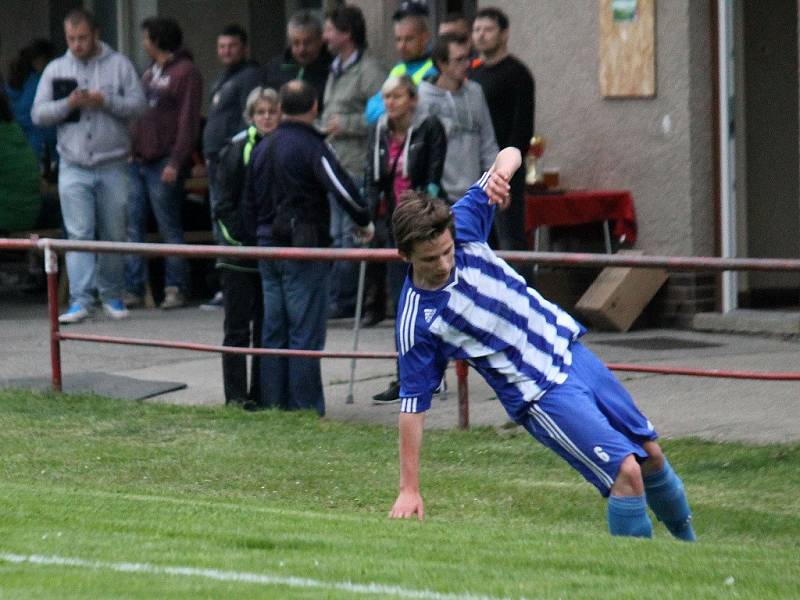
x,y
409,500
506,163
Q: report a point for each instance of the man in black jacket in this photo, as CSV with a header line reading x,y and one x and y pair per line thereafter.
x,y
306,57
290,175
226,105
510,94
229,93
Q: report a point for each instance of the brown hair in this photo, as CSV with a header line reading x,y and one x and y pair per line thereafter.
x,y
420,218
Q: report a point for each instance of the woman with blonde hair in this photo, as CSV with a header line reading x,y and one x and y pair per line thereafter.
x,y
241,283
404,152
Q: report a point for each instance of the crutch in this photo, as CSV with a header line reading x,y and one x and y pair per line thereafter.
x,y
362,272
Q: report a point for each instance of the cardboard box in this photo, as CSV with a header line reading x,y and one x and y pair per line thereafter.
x,y
619,295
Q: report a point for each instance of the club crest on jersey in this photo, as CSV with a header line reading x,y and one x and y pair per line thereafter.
x,y
429,313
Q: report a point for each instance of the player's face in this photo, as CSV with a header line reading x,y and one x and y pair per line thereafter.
x,y
266,116
81,40
230,50
433,261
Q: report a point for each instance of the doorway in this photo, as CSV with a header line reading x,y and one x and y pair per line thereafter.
x,y
766,120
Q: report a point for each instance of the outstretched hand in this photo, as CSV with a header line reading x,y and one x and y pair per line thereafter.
x,y
407,505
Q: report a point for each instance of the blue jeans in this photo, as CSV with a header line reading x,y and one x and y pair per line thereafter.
x,y
295,317
93,206
147,193
344,277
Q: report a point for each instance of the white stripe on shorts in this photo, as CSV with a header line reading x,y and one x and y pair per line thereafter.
x,y
547,423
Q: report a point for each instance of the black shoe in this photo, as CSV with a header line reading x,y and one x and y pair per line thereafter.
x,y
390,396
334,312
251,406
371,318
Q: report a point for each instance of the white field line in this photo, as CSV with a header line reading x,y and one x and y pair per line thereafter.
x,y
238,577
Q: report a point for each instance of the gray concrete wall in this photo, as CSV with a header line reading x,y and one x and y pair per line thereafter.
x,y
623,143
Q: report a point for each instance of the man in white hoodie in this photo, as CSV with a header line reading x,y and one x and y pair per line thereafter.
x,y
461,107
90,94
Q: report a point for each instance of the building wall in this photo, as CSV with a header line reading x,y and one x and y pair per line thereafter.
x,y
660,148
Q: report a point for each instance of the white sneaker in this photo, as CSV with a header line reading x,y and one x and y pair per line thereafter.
x,y
115,309
172,298
215,303
75,314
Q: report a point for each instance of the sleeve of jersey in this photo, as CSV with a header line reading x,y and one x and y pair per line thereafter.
x,y
472,213
421,372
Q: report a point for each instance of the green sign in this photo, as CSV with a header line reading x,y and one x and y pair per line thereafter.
x,y
624,11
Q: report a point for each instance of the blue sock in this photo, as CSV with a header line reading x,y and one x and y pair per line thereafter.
x,y
667,499
627,515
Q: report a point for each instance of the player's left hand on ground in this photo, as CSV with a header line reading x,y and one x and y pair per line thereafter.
x,y
363,235
407,505
498,189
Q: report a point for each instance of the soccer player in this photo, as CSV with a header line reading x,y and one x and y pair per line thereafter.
x,y
460,301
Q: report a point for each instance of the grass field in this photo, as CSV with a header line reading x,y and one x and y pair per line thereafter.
x,y
102,498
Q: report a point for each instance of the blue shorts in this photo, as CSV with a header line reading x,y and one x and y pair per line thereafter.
x,y
590,420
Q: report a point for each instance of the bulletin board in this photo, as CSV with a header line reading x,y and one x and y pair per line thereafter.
x,y
627,48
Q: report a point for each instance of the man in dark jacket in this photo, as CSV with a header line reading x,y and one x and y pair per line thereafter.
x,y
163,140
289,178
510,92
228,94
306,57
227,99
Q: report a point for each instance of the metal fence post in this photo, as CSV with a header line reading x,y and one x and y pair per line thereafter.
x,y
462,372
51,268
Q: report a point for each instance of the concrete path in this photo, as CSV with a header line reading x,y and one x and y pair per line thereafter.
x,y
715,409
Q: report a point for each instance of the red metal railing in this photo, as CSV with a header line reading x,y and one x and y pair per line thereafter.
x,y
52,246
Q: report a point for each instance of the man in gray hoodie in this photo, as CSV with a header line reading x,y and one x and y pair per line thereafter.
x,y
461,107
90,94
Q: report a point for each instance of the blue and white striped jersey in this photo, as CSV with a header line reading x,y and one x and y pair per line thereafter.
x,y
518,341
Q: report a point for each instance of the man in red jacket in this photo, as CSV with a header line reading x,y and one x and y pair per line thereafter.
x,y
163,140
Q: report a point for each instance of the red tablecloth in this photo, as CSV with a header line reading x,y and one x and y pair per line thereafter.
x,y
574,207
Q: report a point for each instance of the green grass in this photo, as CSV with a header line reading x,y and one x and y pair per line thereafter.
x,y
289,495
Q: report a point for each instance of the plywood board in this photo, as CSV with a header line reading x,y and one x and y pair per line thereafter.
x,y
627,48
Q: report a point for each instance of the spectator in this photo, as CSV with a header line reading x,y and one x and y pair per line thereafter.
x,y
226,105
458,24
509,90
404,152
22,206
23,79
90,93
289,178
163,140
354,77
455,23
241,284
411,42
306,57
460,106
